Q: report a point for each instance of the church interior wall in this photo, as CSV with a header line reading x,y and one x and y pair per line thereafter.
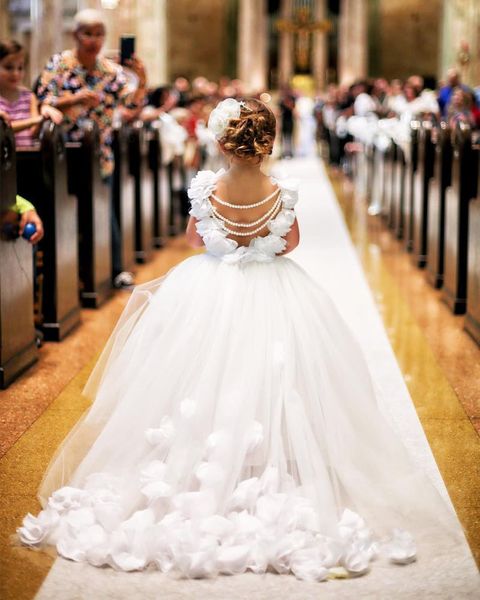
x,y
404,36
197,38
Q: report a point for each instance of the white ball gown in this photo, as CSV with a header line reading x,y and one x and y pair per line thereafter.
x,y
234,427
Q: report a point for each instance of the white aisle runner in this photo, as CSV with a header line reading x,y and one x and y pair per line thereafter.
x,y
327,253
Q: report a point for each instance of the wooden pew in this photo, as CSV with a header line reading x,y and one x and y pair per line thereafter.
x,y
411,162
398,192
458,196
158,177
176,182
42,179
472,318
420,199
143,191
123,198
388,168
17,333
376,198
441,180
94,218
360,171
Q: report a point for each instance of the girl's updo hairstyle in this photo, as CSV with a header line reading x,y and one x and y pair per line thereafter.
x,y
252,134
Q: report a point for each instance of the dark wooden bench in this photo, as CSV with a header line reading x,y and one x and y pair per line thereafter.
x,y
94,217
158,181
398,192
472,318
42,179
143,191
411,162
178,201
457,200
388,170
438,184
420,199
376,192
123,198
17,333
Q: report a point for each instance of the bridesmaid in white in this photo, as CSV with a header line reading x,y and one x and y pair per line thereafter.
x,y
234,425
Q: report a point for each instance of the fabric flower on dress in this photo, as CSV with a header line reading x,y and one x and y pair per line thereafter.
x,y
201,188
218,244
282,223
210,474
402,548
35,530
254,436
163,435
289,193
68,498
269,245
306,564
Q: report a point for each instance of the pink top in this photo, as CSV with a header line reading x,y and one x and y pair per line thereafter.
x,y
19,109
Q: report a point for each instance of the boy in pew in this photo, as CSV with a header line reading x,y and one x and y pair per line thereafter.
x,y
18,105
14,220
28,214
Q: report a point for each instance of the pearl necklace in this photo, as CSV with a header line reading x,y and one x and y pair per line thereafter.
x,y
245,206
276,204
244,233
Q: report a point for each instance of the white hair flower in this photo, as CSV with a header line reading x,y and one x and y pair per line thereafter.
x,y
221,115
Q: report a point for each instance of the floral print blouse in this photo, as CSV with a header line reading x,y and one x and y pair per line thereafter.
x,y
65,74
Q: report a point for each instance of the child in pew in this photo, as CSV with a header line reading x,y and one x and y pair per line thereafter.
x,y
18,105
14,220
12,224
28,214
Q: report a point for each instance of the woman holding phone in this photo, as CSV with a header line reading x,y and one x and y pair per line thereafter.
x,y
83,84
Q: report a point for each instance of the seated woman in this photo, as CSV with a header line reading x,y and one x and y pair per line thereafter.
x,y
18,105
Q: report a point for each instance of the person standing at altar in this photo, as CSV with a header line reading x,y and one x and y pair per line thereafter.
x,y
287,110
87,86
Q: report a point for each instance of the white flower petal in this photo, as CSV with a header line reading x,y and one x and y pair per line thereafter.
x,y
210,474
254,436
233,560
402,548
163,435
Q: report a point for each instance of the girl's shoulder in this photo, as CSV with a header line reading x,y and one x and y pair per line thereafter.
x,y
25,92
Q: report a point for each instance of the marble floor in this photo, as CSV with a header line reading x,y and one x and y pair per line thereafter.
x,y
439,362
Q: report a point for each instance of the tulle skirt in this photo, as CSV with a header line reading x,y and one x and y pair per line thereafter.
x,y
234,426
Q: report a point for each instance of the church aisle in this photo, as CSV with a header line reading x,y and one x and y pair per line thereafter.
x,y
327,253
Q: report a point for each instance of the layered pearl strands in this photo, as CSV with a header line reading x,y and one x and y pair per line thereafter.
x,y
246,233
262,218
245,206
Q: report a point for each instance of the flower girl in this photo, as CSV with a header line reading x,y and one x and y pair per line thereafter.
x,y
234,426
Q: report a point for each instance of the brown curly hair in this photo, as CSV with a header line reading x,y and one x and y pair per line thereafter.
x,y
9,47
251,136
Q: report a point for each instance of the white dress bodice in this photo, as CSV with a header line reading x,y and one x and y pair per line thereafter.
x,y
215,235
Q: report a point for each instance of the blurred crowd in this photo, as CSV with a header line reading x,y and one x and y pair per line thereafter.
x,y
81,84
345,111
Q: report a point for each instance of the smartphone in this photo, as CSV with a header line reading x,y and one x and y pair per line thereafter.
x,y
127,48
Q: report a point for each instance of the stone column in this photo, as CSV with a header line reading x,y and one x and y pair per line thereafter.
x,y
46,36
352,46
152,39
5,31
320,47
252,44
285,49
